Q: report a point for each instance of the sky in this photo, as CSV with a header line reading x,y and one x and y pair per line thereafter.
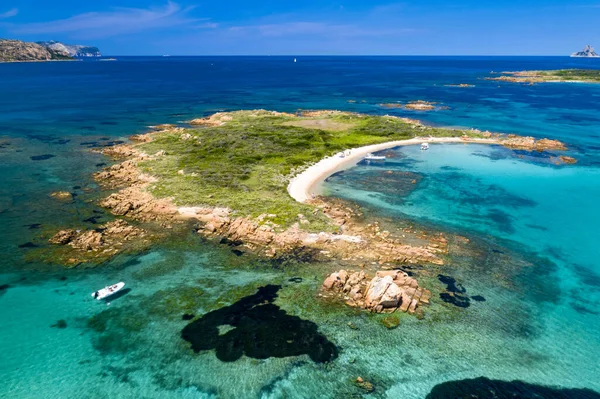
x,y
308,27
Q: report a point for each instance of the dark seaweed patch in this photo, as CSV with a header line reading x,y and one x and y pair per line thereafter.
x,y
257,328
295,280
581,309
28,245
237,252
448,167
454,292
4,288
536,227
493,156
451,284
59,324
46,138
93,219
587,276
478,298
231,243
504,222
456,300
187,316
484,388
41,157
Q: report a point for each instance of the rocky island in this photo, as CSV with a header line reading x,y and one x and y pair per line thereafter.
x,y
557,76
587,52
19,51
246,178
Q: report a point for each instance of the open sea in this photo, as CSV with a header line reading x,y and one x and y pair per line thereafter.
x,y
528,323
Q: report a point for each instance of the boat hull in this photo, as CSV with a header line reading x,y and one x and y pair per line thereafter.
x,y
108,291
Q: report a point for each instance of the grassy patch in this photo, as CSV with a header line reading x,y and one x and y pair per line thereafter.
x,y
246,163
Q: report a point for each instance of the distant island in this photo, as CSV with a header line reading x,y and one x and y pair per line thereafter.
x,y
587,52
19,51
557,76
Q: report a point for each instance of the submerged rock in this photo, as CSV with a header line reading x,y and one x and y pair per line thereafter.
x,y
62,195
254,326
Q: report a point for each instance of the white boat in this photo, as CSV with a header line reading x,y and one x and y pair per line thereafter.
x,y
108,291
294,60
424,146
371,157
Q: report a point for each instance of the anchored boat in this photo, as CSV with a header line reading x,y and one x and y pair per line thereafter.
x,y
424,146
372,157
107,291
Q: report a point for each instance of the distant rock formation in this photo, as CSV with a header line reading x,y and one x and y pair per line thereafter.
x,y
73,50
16,50
588,51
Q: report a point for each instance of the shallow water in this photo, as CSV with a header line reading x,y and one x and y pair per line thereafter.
x,y
532,224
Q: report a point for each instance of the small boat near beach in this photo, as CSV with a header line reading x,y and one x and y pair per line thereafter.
x,y
108,291
424,147
372,157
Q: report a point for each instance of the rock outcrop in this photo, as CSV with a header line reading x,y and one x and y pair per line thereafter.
x,y
420,106
531,144
105,241
386,292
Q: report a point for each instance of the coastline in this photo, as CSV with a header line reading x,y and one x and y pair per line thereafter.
x,y
303,186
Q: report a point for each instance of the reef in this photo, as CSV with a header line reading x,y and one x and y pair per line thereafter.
x,y
256,327
485,388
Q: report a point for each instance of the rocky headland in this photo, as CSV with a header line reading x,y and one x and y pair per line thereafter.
x,y
16,50
19,51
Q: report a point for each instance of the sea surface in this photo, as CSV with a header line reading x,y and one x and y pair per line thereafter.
x,y
527,281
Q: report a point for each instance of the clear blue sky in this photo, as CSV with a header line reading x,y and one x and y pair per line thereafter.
x,y
192,27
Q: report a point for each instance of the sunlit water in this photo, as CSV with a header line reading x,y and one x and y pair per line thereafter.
x,y
533,225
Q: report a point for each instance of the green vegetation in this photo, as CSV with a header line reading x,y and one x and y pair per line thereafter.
x,y
585,75
391,321
246,163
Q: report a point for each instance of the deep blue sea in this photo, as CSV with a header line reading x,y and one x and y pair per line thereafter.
x,y
532,269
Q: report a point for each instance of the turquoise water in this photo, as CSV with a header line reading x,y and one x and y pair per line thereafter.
x,y
532,228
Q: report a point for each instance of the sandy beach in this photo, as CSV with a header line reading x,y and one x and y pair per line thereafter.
x,y
305,184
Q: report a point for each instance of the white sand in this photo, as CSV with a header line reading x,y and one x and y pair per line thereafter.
x,y
303,186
